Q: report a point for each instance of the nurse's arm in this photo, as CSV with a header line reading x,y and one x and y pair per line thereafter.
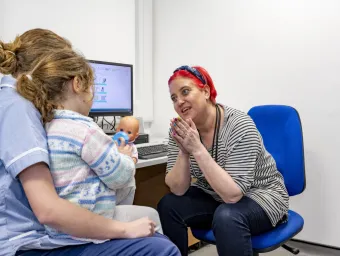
x,y
61,214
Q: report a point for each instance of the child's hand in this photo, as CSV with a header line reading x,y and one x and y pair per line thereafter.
x,y
124,149
140,228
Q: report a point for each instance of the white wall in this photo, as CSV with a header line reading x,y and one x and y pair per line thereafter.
x,y
106,30
264,52
2,20
101,30
144,60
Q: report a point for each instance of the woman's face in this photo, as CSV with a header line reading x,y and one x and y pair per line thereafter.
x,y
189,100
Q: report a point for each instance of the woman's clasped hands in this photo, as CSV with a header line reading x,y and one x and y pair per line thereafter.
x,y
186,135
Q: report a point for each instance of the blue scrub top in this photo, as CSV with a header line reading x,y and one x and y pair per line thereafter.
x,y
22,144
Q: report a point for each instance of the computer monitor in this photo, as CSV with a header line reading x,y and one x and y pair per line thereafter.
x,y
113,94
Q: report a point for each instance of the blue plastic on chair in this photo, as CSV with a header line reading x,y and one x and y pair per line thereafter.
x,y
280,128
281,131
266,241
206,235
280,234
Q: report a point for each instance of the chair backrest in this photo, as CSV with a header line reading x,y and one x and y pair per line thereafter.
x,y
281,130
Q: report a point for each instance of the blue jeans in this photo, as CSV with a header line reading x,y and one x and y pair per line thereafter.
x,y
157,245
232,224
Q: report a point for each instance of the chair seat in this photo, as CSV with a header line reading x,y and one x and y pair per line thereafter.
x,y
279,235
267,241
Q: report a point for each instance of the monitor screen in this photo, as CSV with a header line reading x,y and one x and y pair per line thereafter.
x,y
113,89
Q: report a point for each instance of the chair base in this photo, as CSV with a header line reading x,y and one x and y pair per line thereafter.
x,y
292,250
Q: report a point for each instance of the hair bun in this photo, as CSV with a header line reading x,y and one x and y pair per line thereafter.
x,y
8,60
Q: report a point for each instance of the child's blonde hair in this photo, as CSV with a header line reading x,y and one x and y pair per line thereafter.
x,y
46,84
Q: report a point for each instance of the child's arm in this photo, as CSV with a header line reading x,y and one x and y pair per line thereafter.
x,y
134,153
101,154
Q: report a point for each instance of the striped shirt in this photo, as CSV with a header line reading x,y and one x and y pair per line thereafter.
x,y
242,154
85,163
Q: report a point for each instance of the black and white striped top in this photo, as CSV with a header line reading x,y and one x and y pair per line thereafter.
x,y
242,154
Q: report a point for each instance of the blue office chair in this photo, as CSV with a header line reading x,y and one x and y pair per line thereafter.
x,y
281,130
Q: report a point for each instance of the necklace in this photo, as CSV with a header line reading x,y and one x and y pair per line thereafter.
x,y
214,148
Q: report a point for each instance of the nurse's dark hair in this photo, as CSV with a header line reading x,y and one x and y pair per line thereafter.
x,y
22,55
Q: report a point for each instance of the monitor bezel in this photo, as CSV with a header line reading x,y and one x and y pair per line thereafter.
x,y
113,113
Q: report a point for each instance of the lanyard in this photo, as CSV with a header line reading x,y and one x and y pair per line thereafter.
x,y
214,148
6,85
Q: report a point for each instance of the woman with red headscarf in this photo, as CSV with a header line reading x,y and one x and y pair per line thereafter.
x,y
238,191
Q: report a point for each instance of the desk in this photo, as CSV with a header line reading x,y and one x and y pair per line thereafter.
x,y
150,176
150,162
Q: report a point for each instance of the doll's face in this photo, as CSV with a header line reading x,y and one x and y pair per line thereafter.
x,y
130,126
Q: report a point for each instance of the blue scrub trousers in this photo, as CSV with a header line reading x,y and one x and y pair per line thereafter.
x,y
157,245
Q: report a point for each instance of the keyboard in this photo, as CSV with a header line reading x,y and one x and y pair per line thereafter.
x,y
152,151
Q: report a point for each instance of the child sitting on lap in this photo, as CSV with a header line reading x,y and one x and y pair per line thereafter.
x,y
87,166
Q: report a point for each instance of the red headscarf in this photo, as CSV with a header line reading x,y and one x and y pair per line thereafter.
x,y
197,81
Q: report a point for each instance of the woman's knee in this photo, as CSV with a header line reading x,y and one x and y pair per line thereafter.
x,y
167,203
227,215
